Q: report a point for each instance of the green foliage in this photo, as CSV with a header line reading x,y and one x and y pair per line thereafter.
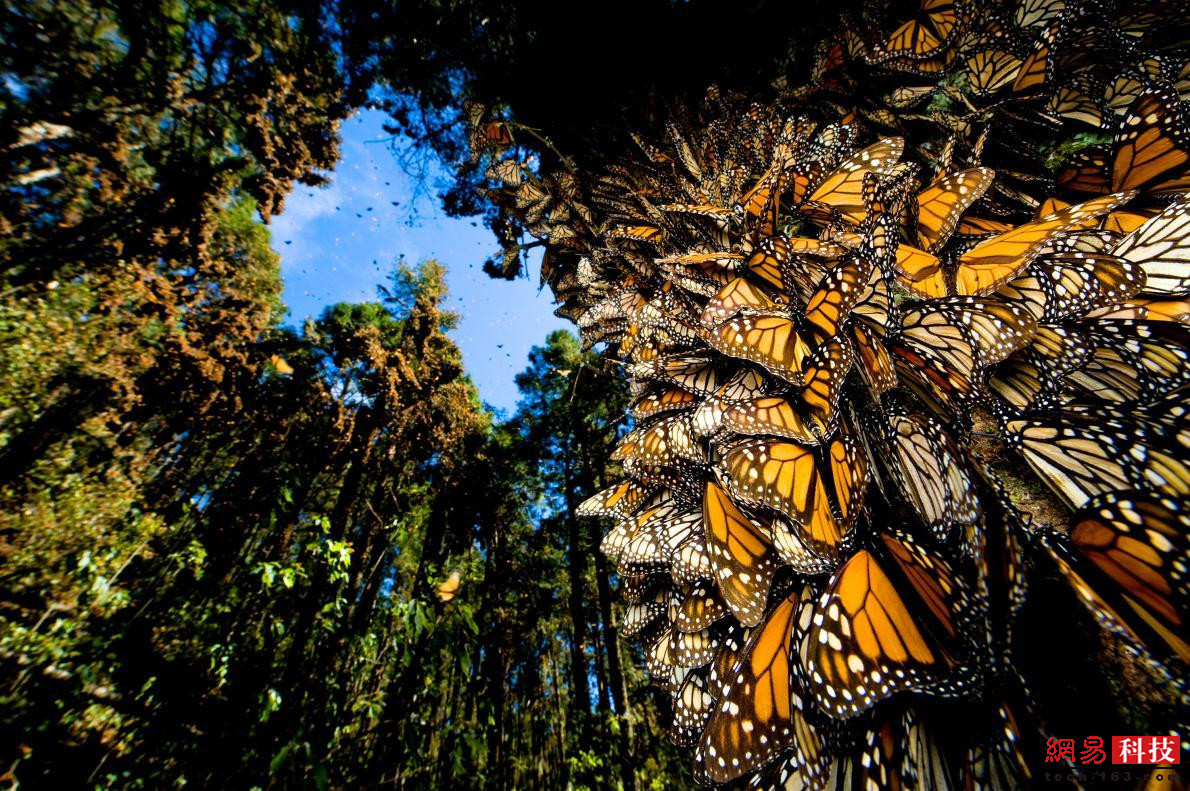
x,y
1064,152
238,555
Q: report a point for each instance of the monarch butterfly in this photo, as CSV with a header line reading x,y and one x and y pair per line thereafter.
x,y
1127,559
1080,457
734,297
1146,308
508,171
1162,249
920,272
702,277
907,96
875,307
991,70
1153,145
1077,283
692,706
815,247
638,233
773,262
898,751
994,759
1087,172
636,586
677,526
992,262
618,500
643,547
700,210
1021,383
842,190
941,205
886,623
746,383
1034,71
1074,101
933,474
1150,152
659,443
691,562
659,662
831,304
1125,222
697,373
876,366
701,609
1127,86
770,339
729,261
926,33
824,376
981,226
1050,206
692,649
741,555
1030,13
760,715
949,343
641,615
769,415
667,530
763,201
533,201
660,401
850,473
1126,360
1000,565
785,477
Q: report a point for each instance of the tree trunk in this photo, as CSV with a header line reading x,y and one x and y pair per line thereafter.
x,y
576,564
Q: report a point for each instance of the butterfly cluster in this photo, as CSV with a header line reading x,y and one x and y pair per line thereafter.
x,y
896,344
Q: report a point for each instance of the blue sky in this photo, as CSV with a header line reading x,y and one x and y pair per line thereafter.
x,y
338,242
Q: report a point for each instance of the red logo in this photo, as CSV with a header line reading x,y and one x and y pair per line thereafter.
x,y
1145,750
